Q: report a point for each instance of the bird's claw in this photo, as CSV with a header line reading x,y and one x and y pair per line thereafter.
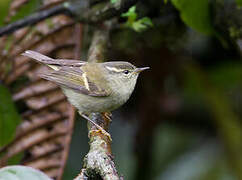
x,y
102,131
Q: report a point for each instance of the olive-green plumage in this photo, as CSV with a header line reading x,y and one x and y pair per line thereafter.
x,y
91,87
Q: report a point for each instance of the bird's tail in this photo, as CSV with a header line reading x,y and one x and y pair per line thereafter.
x,y
52,63
38,57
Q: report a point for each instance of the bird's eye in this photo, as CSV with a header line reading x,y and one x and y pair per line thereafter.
x,y
126,72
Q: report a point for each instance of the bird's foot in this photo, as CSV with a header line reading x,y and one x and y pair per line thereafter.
x,y
103,132
100,129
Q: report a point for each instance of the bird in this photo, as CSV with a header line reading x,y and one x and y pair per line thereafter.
x,y
89,86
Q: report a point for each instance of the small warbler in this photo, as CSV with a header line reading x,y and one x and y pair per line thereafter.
x,y
91,87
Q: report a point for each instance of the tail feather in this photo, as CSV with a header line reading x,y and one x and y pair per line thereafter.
x,y
49,61
38,57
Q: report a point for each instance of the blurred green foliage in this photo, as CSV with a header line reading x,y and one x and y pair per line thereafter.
x,y
4,6
239,2
113,1
226,120
195,14
132,22
26,9
226,76
9,117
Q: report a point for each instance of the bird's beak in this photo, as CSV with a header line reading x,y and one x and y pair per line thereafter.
x,y
138,70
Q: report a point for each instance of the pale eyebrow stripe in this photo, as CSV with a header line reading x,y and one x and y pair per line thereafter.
x,y
114,69
84,75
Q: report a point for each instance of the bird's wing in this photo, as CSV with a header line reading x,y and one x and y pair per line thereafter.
x,y
67,73
74,78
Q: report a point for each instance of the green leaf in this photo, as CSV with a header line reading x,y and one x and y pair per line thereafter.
x,y
9,117
138,25
21,172
195,14
147,21
4,6
132,9
131,14
142,24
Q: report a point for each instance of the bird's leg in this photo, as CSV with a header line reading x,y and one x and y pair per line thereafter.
x,y
99,127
